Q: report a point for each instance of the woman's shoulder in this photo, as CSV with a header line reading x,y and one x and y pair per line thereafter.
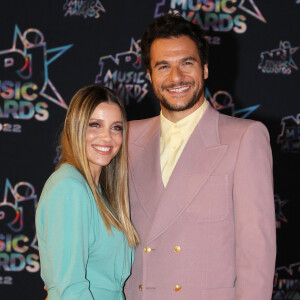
x,y
66,198
66,173
66,180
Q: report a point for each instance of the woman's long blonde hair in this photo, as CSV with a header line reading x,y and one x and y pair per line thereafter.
x,y
114,176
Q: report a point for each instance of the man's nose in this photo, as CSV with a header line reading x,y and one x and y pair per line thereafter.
x,y
176,74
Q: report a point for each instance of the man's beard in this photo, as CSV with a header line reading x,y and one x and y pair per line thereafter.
x,y
192,101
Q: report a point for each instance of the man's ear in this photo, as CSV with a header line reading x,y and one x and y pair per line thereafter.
x,y
205,71
149,75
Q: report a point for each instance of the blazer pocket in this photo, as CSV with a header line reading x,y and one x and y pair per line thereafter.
x,y
212,202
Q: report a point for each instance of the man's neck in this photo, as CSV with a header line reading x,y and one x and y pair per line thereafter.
x,y
175,116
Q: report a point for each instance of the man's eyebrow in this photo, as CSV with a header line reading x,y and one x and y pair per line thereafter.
x,y
165,62
188,58
161,62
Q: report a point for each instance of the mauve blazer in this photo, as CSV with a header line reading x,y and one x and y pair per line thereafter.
x,y
210,234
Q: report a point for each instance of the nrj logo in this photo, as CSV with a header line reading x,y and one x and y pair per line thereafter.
x,y
287,282
215,15
289,138
223,102
84,8
18,243
123,73
280,60
280,217
24,77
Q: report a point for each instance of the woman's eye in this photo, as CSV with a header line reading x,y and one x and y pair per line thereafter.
x,y
118,127
93,124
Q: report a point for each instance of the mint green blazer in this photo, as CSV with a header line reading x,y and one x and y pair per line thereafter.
x,y
79,258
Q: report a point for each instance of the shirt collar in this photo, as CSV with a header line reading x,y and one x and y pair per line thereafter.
x,y
186,124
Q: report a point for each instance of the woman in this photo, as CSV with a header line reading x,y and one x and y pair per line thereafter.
x,y
86,239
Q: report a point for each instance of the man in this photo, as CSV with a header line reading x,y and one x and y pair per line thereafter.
x,y
200,184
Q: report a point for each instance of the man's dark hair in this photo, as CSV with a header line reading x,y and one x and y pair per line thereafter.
x,y
173,25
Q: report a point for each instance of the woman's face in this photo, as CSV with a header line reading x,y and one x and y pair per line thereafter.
x,y
104,136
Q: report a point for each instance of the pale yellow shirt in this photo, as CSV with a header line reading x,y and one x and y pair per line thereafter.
x,y
173,139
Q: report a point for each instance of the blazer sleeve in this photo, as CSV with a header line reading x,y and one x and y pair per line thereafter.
x,y
254,216
66,229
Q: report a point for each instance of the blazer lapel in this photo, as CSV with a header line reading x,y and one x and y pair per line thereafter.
x,y
145,167
200,157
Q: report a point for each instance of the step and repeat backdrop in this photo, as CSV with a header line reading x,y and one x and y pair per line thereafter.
x,y
50,49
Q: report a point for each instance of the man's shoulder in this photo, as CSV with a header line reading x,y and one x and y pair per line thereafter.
x,y
138,127
140,123
231,120
237,123
233,127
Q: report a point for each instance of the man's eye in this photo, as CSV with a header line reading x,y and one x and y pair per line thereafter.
x,y
162,67
187,63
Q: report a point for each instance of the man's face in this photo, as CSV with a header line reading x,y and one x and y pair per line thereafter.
x,y
177,75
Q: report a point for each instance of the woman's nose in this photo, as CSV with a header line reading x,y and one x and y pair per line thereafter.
x,y
106,134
